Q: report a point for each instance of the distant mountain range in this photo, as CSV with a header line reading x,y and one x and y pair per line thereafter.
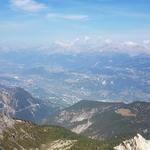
x,y
103,120
66,78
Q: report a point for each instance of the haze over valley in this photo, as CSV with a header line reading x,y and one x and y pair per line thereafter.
x,y
66,78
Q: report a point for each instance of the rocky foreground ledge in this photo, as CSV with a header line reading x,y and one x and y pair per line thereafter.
x,y
137,143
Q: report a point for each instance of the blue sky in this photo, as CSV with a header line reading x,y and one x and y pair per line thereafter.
x,y
45,21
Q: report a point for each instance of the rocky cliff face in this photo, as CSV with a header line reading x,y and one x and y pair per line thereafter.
x,y
5,123
137,143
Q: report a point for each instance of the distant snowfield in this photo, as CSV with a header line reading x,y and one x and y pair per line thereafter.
x,y
137,143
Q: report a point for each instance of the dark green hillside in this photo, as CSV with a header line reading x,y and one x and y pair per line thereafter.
x,y
105,120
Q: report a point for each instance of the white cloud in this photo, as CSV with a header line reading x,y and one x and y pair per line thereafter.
x,y
146,42
86,43
67,16
130,44
27,5
64,45
87,38
75,17
108,41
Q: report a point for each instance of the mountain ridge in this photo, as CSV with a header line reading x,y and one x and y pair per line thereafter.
x,y
17,102
102,120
